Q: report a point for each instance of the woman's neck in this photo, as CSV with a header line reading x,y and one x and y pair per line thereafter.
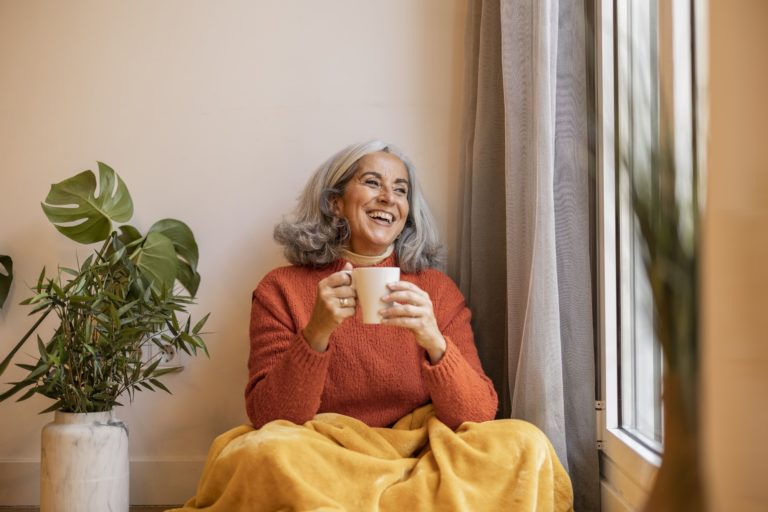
x,y
362,260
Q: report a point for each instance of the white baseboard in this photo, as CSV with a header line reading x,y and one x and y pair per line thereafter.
x,y
153,481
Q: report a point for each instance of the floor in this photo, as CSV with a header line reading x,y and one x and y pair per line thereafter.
x,y
134,508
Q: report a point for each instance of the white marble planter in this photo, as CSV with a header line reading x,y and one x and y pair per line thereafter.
x,y
84,464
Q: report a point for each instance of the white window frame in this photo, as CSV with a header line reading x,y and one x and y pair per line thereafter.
x,y
628,467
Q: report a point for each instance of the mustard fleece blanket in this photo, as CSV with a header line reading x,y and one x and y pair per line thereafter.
x,y
335,462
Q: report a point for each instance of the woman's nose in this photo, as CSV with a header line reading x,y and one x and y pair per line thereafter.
x,y
385,195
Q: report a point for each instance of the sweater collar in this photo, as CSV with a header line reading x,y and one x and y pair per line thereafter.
x,y
361,260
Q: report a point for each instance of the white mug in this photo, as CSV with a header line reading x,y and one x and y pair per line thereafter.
x,y
370,283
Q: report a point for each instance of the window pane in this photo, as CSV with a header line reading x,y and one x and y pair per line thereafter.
x,y
637,126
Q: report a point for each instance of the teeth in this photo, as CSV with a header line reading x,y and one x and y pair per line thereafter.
x,y
385,216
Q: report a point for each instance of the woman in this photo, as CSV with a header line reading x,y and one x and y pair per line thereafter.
x,y
353,416
310,353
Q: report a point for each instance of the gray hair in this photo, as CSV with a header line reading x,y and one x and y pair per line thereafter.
x,y
314,236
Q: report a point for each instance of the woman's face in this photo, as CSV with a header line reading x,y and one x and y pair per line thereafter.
x,y
375,203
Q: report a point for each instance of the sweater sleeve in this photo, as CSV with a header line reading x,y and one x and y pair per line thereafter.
x,y
459,388
286,376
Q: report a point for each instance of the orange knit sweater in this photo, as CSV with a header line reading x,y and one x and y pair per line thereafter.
x,y
374,373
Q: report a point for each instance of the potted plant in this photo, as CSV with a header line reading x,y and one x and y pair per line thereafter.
x,y
112,307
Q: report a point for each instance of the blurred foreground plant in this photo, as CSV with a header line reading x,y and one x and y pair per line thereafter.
x,y
667,212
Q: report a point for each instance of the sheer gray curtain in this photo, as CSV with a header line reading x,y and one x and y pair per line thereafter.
x,y
524,260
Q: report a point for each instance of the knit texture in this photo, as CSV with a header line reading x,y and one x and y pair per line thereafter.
x,y
375,373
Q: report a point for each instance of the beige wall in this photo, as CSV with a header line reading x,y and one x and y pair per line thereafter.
x,y
214,112
735,299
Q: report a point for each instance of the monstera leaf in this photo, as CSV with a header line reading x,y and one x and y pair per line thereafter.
x,y
155,260
5,278
186,251
74,200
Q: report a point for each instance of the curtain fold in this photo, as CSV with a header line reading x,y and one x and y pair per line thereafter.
x,y
524,258
482,255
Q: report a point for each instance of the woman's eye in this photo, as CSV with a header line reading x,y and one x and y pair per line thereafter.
x,y
401,191
372,183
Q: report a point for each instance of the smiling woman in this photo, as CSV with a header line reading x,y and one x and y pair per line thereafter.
x,y
355,416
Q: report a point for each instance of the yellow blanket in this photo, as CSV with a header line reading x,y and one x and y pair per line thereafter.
x,y
335,463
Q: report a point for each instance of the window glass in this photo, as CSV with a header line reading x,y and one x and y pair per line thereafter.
x,y
637,128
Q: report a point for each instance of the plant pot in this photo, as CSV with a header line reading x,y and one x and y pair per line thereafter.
x,y
84,463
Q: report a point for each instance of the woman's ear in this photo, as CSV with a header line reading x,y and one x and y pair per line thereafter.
x,y
335,206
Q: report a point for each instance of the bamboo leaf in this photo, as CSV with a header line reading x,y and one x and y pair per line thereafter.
x,y
165,371
17,386
27,395
40,280
55,407
160,385
200,323
17,347
148,371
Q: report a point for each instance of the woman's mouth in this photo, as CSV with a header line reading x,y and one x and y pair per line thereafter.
x,y
381,216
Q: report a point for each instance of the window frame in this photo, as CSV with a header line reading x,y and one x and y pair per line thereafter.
x,y
628,467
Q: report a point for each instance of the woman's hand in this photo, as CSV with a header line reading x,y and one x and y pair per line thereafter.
x,y
334,303
413,310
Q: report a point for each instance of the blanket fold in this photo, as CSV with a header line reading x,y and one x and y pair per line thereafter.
x,y
337,463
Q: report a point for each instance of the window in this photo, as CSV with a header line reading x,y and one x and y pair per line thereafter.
x,y
646,70
637,136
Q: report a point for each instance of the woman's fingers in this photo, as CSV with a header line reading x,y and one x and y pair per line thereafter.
x,y
408,301
411,308
334,303
404,292
340,278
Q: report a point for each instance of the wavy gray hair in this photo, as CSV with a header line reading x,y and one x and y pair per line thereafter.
x,y
312,235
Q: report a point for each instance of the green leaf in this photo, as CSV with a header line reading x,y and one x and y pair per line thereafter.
x,y
129,235
30,392
18,386
147,372
200,323
188,278
156,260
160,385
5,278
41,369
164,371
75,200
40,281
186,249
69,271
41,349
4,364
182,238
55,407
